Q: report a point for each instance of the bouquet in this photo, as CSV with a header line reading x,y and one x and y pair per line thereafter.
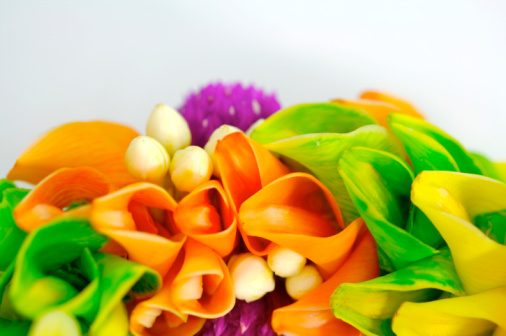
x,y
232,216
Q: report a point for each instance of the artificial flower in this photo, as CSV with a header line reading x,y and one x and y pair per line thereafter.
x,y
230,104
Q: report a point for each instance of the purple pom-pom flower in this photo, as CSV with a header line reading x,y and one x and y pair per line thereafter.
x,y
218,104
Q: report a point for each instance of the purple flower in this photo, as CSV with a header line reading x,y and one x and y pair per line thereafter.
x,y
248,319
218,104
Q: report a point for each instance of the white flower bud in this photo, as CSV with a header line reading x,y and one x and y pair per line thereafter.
x,y
217,135
147,160
169,127
255,125
251,276
55,323
285,262
299,285
190,167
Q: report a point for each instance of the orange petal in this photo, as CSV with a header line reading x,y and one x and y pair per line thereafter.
x,y
203,287
59,190
96,144
124,216
378,109
207,216
245,166
311,315
400,103
295,205
159,316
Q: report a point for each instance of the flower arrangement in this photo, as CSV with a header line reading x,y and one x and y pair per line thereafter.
x,y
347,217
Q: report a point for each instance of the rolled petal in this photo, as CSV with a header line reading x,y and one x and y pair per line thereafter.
x,y
311,315
203,286
245,167
478,314
398,102
378,109
97,144
59,190
207,216
295,205
124,216
451,201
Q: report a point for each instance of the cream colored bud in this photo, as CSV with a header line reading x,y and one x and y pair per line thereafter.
x,y
169,127
251,276
217,135
285,262
147,160
299,285
190,167
255,125
55,323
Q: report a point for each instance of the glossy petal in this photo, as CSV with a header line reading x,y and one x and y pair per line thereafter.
x,y
398,102
487,167
311,315
96,144
451,201
124,216
478,314
11,236
59,190
207,216
370,306
378,109
429,148
379,185
320,153
245,167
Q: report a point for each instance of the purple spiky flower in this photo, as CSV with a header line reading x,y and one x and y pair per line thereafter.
x,y
231,104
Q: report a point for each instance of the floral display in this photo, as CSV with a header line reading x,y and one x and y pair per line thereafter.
x,y
347,217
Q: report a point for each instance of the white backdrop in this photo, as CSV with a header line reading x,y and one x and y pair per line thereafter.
x,y
114,60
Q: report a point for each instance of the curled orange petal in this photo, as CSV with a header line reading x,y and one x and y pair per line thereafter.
x,y
378,109
203,286
59,190
245,166
312,315
293,208
126,217
207,216
400,103
97,144
158,315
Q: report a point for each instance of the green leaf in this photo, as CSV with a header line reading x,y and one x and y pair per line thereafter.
x,y
11,236
487,167
47,248
14,328
429,148
370,306
311,118
320,152
379,184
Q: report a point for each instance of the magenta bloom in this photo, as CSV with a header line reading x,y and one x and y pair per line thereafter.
x,y
218,104
246,319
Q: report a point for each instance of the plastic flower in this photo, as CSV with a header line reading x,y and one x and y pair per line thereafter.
x,y
231,104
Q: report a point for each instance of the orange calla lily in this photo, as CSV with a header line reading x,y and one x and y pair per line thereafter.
x,y
159,316
398,102
311,315
125,217
96,144
245,166
207,216
59,190
203,287
298,212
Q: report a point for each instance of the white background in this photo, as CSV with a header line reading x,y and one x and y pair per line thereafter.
x,y
66,60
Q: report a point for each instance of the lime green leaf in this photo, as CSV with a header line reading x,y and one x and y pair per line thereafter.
x,y
320,153
116,323
501,170
47,248
11,236
429,148
452,201
478,314
379,185
370,306
55,323
487,167
311,118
